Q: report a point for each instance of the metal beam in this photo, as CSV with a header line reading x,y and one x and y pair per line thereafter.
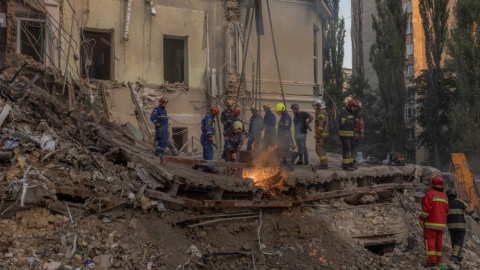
x,y
246,204
173,199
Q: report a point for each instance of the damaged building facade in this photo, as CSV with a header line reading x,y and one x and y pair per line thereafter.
x,y
190,51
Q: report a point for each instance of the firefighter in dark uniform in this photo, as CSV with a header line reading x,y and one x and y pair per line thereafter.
x,y
233,145
456,223
321,132
347,124
227,116
255,129
284,136
269,123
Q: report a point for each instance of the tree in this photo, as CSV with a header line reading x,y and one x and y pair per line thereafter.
x,y
446,97
387,56
333,77
357,39
464,50
434,15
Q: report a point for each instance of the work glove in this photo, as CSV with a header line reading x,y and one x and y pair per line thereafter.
x,y
421,223
210,139
309,128
158,125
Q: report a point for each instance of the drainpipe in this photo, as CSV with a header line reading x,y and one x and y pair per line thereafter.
x,y
127,20
152,7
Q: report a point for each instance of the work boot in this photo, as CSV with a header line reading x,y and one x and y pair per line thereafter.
x,y
346,167
289,168
319,167
428,265
195,167
210,170
299,163
306,163
454,259
353,166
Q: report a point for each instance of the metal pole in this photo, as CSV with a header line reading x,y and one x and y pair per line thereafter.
x,y
68,53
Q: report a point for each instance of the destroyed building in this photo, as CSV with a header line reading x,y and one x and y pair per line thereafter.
x,y
190,51
80,185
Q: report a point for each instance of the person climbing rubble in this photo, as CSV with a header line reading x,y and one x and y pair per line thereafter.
x,y
269,123
233,144
433,220
321,132
160,119
284,136
255,129
227,116
347,123
456,223
359,130
301,121
208,131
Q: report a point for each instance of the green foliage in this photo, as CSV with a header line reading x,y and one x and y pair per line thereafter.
x,y
333,78
434,15
387,56
425,117
464,50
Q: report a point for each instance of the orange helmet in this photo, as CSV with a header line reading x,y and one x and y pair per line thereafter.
x,y
215,110
437,181
236,112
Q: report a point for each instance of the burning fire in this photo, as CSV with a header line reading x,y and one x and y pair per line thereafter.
x,y
314,252
267,177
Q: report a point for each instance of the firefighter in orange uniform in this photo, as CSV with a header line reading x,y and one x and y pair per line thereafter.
x,y
359,131
433,220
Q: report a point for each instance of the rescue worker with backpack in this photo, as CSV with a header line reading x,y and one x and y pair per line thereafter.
x,y
456,223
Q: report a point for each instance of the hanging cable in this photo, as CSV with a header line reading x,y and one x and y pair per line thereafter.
x,y
275,51
242,76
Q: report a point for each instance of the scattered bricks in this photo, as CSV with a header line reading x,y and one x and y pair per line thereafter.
x,y
58,220
51,219
9,255
77,258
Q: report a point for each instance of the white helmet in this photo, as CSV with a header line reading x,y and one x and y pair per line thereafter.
x,y
319,103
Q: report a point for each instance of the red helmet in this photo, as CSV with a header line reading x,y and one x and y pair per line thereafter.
x,y
437,181
163,99
351,102
215,110
359,103
236,112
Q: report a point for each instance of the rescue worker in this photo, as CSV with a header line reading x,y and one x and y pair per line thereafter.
x,y
255,129
227,116
321,132
160,119
359,131
269,123
236,114
284,136
233,144
456,223
433,220
208,131
301,120
347,123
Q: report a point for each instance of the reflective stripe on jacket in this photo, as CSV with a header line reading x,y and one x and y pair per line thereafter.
x,y
456,214
347,123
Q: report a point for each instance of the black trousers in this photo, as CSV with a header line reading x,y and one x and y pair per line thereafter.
x,y
458,238
346,150
354,145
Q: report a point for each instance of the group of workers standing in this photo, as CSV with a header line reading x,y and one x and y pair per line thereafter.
x,y
275,133
442,211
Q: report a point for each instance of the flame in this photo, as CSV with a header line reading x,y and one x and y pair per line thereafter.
x,y
321,259
268,177
313,252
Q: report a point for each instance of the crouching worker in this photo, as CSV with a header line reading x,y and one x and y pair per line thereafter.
x,y
233,144
456,223
433,220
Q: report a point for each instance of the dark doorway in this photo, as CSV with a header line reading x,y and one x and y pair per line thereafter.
x,y
381,249
96,55
179,136
32,39
175,59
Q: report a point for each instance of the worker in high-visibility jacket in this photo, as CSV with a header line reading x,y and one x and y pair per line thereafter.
x,y
347,123
456,223
321,132
433,220
359,130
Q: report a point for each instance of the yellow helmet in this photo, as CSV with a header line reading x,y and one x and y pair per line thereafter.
x,y
237,126
229,103
253,108
266,106
280,107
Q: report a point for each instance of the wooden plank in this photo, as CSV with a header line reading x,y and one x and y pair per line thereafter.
x,y
340,193
166,160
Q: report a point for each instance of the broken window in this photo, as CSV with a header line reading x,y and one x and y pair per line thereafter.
x,y
96,54
179,136
175,59
31,38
